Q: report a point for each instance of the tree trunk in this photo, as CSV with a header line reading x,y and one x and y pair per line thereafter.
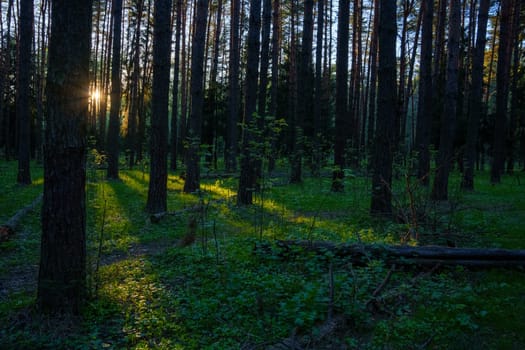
x,y
175,91
373,74
274,89
386,111
61,280
116,92
475,100
361,254
513,123
318,92
304,93
341,86
448,118
23,105
248,176
234,91
502,91
192,182
158,175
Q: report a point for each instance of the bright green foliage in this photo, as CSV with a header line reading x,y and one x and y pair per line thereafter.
x,y
233,288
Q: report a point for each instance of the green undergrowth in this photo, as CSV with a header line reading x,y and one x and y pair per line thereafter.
x,y
234,288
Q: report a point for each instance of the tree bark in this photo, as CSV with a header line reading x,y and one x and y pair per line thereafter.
x,y
361,254
23,105
158,176
248,177
448,117
234,92
175,91
304,93
502,91
61,280
341,95
116,92
475,100
192,182
386,112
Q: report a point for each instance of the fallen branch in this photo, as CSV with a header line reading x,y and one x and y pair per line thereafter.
x,y
8,229
405,255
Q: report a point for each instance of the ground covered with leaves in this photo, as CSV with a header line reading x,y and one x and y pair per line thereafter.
x,y
208,275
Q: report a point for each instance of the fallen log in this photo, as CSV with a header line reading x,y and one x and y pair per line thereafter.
x,y
8,229
406,255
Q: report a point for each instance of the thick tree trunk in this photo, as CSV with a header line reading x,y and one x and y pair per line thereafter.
x,y
61,280
386,112
23,106
247,180
194,130
475,102
116,91
373,75
407,255
158,175
448,117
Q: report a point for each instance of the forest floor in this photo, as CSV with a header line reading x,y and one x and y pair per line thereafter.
x,y
209,275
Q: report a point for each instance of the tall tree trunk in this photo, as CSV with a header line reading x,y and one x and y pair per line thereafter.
x,y
263,85
448,117
23,106
158,175
386,111
502,91
341,86
175,91
513,123
62,276
475,100
316,151
247,180
424,109
275,73
6,108
194,131
234,91
373,74
116,91
305,93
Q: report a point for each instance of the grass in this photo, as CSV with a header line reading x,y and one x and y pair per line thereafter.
x,y
222,293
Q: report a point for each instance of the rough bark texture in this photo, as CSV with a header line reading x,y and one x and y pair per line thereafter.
x,y
341,87
386,112
116,91
194,129
61,280
158,175
475,101
448,117
248,176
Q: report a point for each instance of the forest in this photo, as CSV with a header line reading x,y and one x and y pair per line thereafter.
x,y
262,174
